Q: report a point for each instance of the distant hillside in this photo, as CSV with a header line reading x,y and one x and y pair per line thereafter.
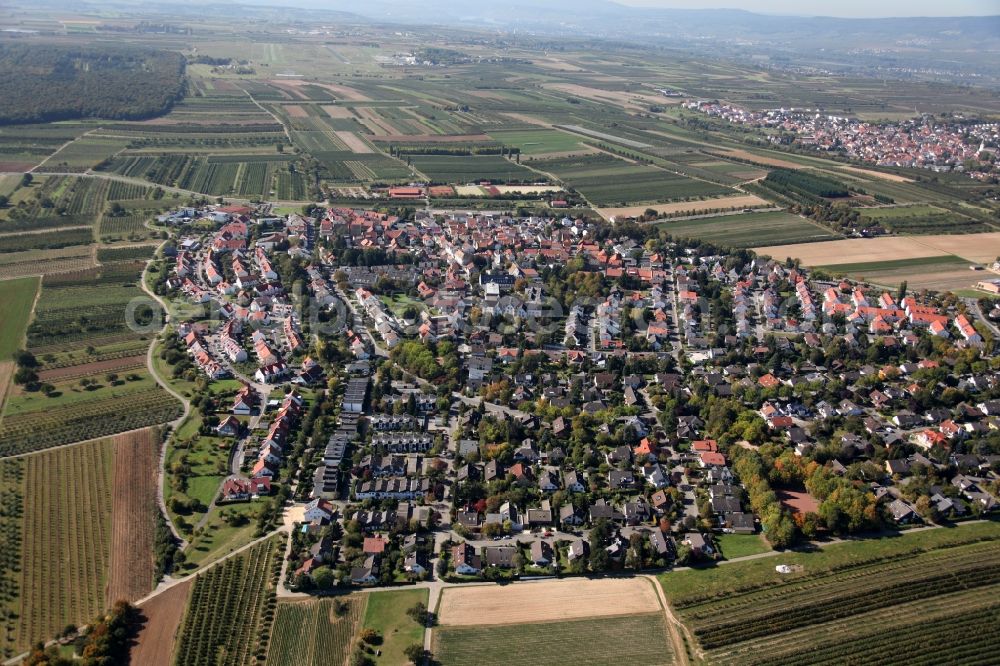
x,y
41,82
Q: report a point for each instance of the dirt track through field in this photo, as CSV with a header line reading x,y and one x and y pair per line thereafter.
x,y
155,643
546,601
6,377
136,456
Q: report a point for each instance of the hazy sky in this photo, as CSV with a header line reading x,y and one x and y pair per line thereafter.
x,y
847,8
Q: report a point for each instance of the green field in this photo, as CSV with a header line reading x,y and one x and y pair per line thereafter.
x,y
853,600
633,639
534,142
749,229
741,545
314,633
871,268
386,614
15,310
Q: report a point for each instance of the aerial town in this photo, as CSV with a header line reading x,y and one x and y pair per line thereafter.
x,y
926,143
524,396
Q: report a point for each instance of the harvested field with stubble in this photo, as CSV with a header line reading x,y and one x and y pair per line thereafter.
x,y
155,642
546,601
133,510
295,111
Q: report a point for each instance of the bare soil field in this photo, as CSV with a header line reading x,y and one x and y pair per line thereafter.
x,y
799,501
546,601
16,167
974,247
155,643
759,159
745,201
878,174
295,111
89,369
353,142
338,112
136,456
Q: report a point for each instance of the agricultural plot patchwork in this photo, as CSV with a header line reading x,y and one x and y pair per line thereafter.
x,y
893,601
39,422
470,168
609,181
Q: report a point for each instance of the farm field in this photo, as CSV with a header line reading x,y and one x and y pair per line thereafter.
x,y
721,203
944,260
12,530
607,181
225,612
64,567
163,614
15,311
747,229
922,218
546,601
33,422
314,633
629,639
463,169
136,458
941,272
842,601
386,614
538,141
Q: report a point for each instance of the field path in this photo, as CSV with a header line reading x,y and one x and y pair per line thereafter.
x,y
674,626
